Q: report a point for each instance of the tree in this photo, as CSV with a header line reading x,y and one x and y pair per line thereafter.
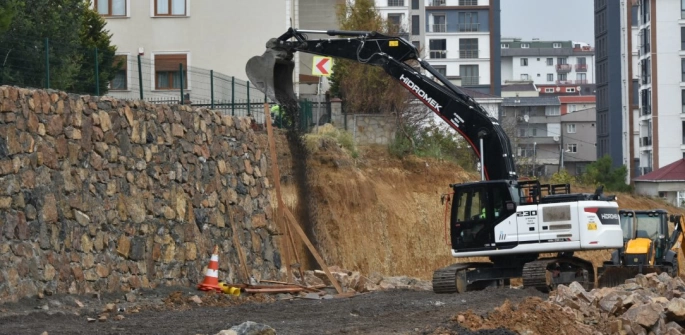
x,y
7,11
94,35
600,172
71,32
364,88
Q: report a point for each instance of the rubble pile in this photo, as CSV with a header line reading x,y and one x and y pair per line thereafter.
x,y
646,304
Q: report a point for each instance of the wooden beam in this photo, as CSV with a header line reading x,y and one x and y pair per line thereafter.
x,y
238,246
277,185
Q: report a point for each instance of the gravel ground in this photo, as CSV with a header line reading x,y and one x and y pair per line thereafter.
x,y
167,310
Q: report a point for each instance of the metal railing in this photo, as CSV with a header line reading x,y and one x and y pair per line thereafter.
x,y
470,80
646,110
472,26
395,3
564,82
581,67
468,54
434,54
563,68
581,81
439,28
436,3
645,141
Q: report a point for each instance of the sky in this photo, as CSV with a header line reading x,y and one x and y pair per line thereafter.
x,y
549,20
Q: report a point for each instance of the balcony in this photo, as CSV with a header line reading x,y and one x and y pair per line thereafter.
x,y
437,3
466,54
470,80
646,110
438,28
645,141
436,54
581,67
580,81
563,68
473,26
395,3
564,82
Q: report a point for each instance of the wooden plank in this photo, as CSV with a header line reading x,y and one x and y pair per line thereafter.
x,y
238,246
277,184
303,236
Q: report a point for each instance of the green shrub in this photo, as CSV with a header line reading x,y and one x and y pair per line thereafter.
x,y
600,172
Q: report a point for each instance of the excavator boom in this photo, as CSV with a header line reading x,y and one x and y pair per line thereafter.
x,y
272,73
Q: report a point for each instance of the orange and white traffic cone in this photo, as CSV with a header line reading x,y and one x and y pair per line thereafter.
x,y
211,282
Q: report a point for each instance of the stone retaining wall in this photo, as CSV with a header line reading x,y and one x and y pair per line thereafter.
x,y
99,194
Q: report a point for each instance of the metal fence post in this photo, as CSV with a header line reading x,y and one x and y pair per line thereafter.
x,y
248,98
211,87
140,78
47,63
232,95
97,74
180,69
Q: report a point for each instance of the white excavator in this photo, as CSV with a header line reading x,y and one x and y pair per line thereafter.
x,y
510,221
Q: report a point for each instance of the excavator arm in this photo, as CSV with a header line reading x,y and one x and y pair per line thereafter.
x,y
272,74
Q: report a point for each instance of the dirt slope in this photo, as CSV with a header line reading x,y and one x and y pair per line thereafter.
x,y
377,213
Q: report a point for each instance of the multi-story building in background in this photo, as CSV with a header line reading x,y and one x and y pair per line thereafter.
x,y
578,133
554,64
166,33
462,40
614,77
661,85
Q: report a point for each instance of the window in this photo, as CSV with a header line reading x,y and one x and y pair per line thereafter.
x,y
415,24
528,132
549,90
550,61
682,9
572,108
505,45
468,48
682,66
468,2
414,4
525,45
111,7
524,61
581,60
682,100
572,147
469,75
682,37
552,111
561,60
395,3
468,21
416,44
167,75
556,45
550,77
524,76
439,24
581,78
682,131
395,21
442,69
571,128
438,48
570,90
120,81
170,7
561,77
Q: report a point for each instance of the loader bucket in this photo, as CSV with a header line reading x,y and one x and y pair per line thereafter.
x,y
616,275
272,73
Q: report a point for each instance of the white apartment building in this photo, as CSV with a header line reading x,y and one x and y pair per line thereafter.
x,y
547,62
211,35
661,71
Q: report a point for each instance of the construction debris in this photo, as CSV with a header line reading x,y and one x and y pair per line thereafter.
x,y
646,304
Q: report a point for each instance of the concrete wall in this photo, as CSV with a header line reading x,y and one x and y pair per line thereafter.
x,y
365,128
99,194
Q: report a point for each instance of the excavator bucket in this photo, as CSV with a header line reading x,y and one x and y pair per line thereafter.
x,y
272,73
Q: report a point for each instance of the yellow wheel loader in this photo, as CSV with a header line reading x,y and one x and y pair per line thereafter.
x,y
648,247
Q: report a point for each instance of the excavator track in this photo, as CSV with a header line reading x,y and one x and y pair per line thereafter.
x,y
450,279
571,269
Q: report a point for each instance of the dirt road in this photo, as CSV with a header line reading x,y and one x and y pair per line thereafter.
x,y
386,312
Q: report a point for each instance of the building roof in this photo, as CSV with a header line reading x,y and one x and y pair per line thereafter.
x,y
577,98
477,94
671,172
519,87
531,101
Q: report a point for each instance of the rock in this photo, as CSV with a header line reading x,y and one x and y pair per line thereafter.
x,y
645,315
195,299
102,318
249,328
78,303
675,310
610,303
312,296
109,307
91,319
130,297
119,317
461,318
